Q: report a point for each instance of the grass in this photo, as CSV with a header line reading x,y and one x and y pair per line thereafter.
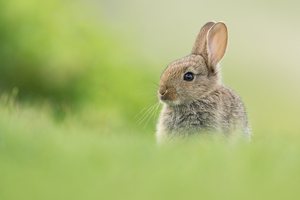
x,y
41,159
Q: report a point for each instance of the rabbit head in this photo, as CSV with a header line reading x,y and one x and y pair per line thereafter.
x,y
196,75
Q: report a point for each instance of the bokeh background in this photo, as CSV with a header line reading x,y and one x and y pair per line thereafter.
x,y
78,104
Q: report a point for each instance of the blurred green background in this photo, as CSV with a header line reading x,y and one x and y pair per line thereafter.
x,y
78,104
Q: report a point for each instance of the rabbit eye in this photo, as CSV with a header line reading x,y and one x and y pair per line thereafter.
x,y
189,76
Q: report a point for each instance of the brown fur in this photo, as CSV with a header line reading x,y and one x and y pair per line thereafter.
x,y
203,104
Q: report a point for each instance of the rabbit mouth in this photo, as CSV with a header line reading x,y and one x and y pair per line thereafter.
x,y
169,100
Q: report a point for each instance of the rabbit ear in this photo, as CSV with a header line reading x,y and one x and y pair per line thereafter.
x,y
200,43
216,43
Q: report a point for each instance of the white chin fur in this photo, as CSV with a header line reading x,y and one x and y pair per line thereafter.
x,y
171,103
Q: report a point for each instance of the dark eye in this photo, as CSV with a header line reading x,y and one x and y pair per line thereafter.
x,y
189,76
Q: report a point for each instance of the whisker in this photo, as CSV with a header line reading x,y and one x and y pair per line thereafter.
x,y
141,112
152,114
146,114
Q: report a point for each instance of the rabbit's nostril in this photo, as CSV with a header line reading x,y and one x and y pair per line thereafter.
x,y
162,91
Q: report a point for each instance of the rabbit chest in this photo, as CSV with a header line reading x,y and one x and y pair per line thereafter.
x,y
193,118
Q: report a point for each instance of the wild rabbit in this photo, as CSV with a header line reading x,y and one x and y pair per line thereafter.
x,y
193,96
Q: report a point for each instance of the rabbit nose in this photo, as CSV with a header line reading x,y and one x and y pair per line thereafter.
x,y
162,91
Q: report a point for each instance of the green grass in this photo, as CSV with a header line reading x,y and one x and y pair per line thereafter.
x,y
41,159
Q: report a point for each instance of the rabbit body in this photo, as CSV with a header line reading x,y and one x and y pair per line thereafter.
x,y
193,96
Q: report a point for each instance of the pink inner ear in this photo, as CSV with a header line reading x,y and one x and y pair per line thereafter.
x,y
216,42
200,43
